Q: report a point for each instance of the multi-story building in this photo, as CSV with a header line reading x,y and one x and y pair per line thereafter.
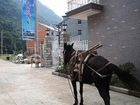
x,y
46,45
31,44
77,31
114,23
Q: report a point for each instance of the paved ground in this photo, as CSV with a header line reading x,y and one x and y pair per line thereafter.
x,y
22,85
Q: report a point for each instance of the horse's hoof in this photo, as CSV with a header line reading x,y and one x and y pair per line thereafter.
x,y
81,104
76,103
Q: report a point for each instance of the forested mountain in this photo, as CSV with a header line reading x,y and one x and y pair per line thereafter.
x,y
46,15
10,23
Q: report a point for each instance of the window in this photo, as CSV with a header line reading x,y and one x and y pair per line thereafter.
x,y
79,32
52,33
79,21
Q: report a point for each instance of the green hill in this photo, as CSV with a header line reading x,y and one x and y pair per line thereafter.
x,y
10,23
46,15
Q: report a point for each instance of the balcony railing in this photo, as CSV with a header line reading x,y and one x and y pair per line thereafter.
x,y
73,4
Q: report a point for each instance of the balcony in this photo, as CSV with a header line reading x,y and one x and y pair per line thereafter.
x,y
81,9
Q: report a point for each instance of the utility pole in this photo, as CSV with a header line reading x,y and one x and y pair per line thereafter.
x,y
59,53
36,36
1,42
36,29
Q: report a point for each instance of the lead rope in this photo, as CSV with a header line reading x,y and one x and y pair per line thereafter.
x,y
69,82
70,87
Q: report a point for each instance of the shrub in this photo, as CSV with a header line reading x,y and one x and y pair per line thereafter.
x,y
61,69
128,67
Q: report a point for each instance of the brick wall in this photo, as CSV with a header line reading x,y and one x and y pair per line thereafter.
x,y
41,36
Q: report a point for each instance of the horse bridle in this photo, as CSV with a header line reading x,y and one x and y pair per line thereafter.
x,y
73,55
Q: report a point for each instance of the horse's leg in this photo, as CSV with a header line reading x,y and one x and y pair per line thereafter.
x,y
81,93
104,92
75,92
103,88
31,63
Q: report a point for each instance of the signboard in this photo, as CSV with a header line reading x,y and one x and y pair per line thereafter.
x,y
28,19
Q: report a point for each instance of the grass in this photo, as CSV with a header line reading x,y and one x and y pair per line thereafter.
x,y
4,57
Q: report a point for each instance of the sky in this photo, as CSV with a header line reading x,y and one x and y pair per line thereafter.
x,y
58,6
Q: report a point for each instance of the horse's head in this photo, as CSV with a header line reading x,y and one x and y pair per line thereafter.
x,y
68,50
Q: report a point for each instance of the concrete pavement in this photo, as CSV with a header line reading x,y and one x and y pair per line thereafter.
x,y
22,85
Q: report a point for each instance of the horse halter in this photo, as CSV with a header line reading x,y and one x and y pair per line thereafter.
x,y
74,57
69,57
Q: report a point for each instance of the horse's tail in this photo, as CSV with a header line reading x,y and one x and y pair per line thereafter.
x,y
127,78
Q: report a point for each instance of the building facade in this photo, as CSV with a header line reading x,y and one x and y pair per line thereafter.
x,y
31,44
77,31
114,23
47,45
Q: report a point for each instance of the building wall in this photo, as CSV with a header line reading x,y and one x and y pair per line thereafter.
x,y
55,50
41,33
47,45
80,41
73,27
41,36
30,46
118,29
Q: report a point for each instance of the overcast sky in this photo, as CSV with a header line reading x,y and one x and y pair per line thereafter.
x,y
58,6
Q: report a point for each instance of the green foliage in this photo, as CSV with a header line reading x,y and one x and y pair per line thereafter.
x,y
61,69
10,23
4,57
128,67
115,81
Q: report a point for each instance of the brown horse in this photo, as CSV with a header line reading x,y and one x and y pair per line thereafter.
x,y
92,72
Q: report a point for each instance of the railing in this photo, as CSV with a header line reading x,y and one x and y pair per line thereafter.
x,y
79,44
73,4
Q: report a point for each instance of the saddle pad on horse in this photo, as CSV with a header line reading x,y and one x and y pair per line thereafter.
x,y
98,63
78,60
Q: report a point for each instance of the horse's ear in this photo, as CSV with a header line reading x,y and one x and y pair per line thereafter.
x,y
65,45
72,45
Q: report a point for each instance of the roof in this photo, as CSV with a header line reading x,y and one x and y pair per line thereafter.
x,y
51,28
